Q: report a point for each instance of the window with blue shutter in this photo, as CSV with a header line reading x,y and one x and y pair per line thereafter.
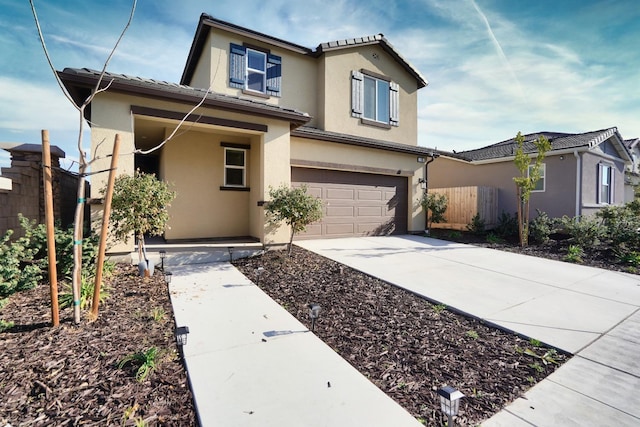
x,y
255,71
374,99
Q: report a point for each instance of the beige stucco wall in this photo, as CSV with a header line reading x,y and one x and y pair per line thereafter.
x,y
299,73
358,159
336,114
193,163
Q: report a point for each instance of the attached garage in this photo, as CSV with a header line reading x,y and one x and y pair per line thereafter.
x,y
355,204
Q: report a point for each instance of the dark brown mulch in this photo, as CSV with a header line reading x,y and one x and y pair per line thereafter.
x,y
405,345
68,376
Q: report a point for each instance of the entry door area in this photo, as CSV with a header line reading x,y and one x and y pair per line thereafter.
x,y
355,204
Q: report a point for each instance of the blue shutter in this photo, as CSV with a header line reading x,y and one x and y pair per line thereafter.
x,y
237,66
274,75
394,104
357,93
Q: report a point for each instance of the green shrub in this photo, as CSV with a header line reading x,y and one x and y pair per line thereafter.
x,y
621,224
574,254
477,225
493,238
18,270
435,205
26,262
507,225
541,227
584,231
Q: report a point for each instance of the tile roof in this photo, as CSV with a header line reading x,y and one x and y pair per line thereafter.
x,y
84,77
375,39
207,21
341,138
558,140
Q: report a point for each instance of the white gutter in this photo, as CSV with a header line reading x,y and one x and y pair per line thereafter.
x,y
578,186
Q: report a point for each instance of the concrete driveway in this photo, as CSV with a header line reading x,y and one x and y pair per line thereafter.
x,y
586,311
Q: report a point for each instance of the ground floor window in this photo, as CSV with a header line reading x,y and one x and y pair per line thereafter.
x,y
605,193
235,167
540,184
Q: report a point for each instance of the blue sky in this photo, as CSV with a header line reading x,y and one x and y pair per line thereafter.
x,y
495,67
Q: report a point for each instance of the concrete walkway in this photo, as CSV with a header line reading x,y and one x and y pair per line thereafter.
x,y
590,312
251,363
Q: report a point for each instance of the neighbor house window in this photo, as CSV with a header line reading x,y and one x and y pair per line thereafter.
x,y
235,167
374,98
540,184
255,71
605,179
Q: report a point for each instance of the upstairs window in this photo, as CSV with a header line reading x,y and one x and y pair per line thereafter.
x,y
234,167
374,99
255,71
540,183
605,180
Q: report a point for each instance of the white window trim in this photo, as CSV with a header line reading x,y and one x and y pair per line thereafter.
x,y
244,167
611,192
543,177
376,103
255,71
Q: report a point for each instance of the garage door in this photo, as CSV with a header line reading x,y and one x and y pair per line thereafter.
x,y
355,204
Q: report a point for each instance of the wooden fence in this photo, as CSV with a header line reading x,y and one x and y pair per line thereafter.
x,y
465,202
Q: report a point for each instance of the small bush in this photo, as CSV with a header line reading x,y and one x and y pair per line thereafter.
x,y
574,254
541,227
507,225
495,239
18,270
435,205
621,225
477,225
584,231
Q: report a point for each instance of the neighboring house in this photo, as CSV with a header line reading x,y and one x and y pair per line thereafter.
x,y
341,118
632,174
580,174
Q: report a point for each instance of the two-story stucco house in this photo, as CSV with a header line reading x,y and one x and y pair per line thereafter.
x,y
340,118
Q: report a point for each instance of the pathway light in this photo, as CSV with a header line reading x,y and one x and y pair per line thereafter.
x,y
314,313
450,402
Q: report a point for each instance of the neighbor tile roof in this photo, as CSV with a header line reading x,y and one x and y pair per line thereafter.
x,y
76,78
559,141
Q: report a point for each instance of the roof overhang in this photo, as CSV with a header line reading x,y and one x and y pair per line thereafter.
x,y
318,134
80,82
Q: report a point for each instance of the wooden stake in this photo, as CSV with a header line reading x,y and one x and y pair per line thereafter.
x,y
105,227
48,215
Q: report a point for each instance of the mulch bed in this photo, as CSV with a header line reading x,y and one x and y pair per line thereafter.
x,y
69,376
405,345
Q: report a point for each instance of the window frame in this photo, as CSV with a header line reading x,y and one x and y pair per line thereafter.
x,y
602,167
376,99
543,178
255,71
358,99
243,167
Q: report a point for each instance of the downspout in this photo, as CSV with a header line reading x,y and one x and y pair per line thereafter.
x,y
433,156
578,181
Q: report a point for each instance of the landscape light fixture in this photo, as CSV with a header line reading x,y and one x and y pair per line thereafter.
x,y
163,255
314,313
259,272
450,402
230,249
167,277
181,335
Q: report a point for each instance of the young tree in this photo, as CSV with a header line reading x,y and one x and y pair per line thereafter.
x,y
293,206
526,182
139,206
434,205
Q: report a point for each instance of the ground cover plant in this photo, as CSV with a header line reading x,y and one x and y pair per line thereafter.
x,y
405,345
121,370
